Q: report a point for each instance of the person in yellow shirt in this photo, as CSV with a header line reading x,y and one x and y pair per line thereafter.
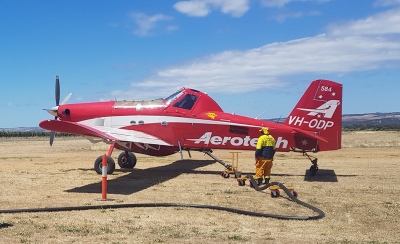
x,y
265,151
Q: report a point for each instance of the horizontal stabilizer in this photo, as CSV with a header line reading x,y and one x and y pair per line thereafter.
x,y
310,134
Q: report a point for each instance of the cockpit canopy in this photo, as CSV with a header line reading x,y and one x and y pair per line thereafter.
x,y
192,100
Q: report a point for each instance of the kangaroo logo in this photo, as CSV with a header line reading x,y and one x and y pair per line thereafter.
x,y
327,109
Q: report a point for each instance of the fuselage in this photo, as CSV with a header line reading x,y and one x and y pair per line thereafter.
x,y
188,119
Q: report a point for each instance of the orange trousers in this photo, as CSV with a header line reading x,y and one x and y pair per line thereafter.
x,y
263,168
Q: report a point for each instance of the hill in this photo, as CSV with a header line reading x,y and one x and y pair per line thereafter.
x,y
378,121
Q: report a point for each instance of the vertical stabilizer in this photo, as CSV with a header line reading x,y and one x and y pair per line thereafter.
x,y
320,111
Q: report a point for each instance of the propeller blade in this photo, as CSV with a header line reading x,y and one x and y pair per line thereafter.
x,y
66,98
53,110
52,135
57,91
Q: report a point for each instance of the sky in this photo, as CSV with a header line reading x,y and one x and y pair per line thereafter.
x,y
253,57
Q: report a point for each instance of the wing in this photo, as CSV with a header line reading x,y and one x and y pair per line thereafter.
x,y
107,133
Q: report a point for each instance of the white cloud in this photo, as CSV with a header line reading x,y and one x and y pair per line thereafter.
x,y
380,24
201,8
193,8
275,3
284,16
243,71
365,44
387,2
282,3
145,23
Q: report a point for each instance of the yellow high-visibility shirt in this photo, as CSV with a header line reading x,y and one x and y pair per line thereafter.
x,y
265,141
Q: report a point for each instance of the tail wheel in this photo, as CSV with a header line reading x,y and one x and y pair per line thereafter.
x,y
313,170
98,165
127,160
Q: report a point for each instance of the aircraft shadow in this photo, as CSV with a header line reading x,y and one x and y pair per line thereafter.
x,y
141,179
323,175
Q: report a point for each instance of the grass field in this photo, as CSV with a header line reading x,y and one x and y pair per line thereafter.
x,y
356,187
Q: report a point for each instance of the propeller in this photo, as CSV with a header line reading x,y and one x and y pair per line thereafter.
x,y
54,110
57,91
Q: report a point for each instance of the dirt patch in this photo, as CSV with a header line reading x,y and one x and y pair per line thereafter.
x,y
356,187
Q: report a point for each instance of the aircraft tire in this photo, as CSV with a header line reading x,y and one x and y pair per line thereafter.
x,y
98,165
127,162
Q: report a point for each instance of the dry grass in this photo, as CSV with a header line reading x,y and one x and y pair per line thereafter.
x,y
357,188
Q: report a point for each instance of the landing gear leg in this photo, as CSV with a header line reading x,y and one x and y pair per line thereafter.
x,y
110,150
314,166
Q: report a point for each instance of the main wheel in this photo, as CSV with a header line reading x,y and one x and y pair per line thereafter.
x,y
127,160
98,165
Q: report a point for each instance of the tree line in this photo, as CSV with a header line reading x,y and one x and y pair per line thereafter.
x,y
11,134
368,127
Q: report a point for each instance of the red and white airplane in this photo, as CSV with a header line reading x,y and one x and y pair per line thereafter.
x,y
190,120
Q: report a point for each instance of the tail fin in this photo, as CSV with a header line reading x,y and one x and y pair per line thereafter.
x,y
320,111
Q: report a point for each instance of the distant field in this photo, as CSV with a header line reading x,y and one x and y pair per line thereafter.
x,y
371,139
356,187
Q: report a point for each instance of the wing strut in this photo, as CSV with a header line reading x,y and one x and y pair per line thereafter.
x,y
180,149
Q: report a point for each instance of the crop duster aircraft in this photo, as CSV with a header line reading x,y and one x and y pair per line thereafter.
x,y
190,120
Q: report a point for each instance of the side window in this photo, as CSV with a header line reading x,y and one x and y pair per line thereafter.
x,y
186,102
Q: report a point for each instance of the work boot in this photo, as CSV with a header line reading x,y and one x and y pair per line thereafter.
x,y
259,181
266,181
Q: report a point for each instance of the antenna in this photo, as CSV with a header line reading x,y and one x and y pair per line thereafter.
x,y
279,119
238,108
259,115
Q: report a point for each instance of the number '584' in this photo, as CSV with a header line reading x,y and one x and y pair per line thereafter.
x,y
326,88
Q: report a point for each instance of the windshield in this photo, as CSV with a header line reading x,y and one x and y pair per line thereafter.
x,y
187,102
174,96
